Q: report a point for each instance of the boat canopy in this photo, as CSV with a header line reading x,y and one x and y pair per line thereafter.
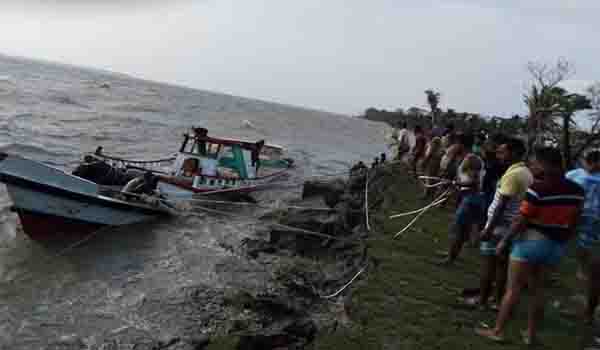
x,y
218,157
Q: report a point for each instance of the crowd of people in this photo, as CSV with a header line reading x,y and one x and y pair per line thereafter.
x,y
521,207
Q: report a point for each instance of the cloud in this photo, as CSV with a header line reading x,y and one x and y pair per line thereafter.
x,y
577,86
77,7
338,55
577,11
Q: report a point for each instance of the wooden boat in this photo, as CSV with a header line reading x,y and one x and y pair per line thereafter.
x,y
206,164
52,204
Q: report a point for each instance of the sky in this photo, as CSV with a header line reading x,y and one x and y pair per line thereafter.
x,y
341,56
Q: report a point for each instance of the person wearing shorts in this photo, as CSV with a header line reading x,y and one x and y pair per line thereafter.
x,y
547,220
588,230
504,208
470,213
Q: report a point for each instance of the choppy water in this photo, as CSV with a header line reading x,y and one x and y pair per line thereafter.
x,y
54,113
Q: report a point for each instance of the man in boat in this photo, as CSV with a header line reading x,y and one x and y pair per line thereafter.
x,y
201,134
100,172
190,168
145,184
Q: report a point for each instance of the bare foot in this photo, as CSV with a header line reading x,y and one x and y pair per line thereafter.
x,y
490,333
445,262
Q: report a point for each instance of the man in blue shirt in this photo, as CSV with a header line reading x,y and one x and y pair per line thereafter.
x,y
588,230
588,238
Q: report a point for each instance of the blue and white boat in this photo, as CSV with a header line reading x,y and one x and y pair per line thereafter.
x,y
206,165
52,204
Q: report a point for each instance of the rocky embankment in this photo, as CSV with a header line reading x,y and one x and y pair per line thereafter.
x,y
310,255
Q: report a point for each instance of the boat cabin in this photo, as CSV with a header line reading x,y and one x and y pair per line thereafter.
x,y
201,157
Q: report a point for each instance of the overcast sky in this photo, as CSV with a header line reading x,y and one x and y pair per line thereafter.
x,y
337,55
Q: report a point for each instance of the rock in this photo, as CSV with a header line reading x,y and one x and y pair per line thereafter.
x,y
71,342
276,306
199,342
254,247
189,343
296,335
331,191
305,329
166,344
356,183
264,342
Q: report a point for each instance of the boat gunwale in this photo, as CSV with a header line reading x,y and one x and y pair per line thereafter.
x,y
97,198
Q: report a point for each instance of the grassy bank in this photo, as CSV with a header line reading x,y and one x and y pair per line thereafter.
x,y
408,302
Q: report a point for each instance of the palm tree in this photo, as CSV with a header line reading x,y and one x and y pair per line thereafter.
x,y
541,103
547,103
568,105
433,99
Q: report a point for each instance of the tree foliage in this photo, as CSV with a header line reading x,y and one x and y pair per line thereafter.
x,y
433,100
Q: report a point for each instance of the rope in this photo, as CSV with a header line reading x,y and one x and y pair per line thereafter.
x,y
127,161
367,202
81,241
441,183
198,200
433,178
313,233
345,286
286,227
434,203
442,198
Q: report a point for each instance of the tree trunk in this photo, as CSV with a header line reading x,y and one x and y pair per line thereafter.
x,y
566,141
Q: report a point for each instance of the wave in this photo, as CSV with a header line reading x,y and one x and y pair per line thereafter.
x,y
67,100
248,124
35,151
23,115
141,108
8,86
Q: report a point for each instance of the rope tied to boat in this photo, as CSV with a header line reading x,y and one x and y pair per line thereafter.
x,y
81,241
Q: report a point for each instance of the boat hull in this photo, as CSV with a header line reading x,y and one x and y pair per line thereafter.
x,y
36,226
52,204
171,186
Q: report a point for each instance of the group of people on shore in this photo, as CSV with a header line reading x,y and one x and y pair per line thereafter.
x,y
522,207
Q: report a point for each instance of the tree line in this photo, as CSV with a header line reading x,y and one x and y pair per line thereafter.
x,y
550,119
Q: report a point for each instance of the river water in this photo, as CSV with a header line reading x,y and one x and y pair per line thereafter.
x,y
115,283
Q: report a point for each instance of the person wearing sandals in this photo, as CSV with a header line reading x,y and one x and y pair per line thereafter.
x,y
470,212
503,209
547,221
588,230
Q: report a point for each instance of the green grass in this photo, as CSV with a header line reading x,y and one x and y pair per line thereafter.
x,y
407,302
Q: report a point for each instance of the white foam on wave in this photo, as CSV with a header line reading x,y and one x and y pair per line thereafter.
x,y
248,124
8,85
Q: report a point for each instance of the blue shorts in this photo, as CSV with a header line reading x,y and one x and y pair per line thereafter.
x,y
488,248
471,211
588,234
538,251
